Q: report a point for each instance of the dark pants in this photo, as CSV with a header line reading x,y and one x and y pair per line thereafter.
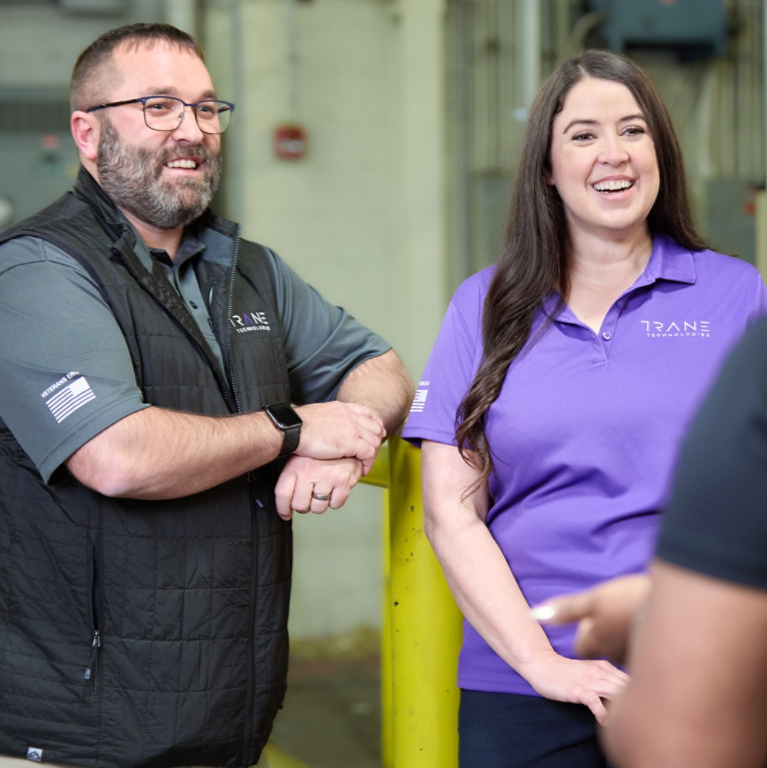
x,y
506,730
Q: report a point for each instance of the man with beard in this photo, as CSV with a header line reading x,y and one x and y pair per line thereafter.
x,y
150,459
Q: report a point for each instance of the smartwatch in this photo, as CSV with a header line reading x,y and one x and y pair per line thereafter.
x,y
289,423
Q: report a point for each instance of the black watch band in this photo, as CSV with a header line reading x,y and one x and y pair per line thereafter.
x,y
289,423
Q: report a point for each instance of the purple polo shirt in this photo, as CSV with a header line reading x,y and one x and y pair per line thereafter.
x,y
586,428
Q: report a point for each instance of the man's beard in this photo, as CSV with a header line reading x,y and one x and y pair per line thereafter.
x,y
132,177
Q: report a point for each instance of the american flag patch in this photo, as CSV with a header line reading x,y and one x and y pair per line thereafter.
x,y
419,401
68,399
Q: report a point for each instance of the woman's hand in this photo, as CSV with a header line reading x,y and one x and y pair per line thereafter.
x,y
576,681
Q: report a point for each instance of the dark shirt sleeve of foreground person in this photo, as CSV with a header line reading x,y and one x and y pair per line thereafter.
x,y
699,658
717,521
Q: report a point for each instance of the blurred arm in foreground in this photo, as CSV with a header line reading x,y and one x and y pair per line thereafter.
x,y
698,657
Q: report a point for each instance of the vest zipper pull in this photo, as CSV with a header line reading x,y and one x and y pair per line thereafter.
x,y
96,644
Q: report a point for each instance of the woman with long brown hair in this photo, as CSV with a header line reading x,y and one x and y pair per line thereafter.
x,y
555,397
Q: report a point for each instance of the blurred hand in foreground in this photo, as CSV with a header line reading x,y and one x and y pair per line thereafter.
x,y
604,615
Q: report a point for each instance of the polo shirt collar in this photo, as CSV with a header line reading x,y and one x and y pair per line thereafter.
x,y
190,246
668,261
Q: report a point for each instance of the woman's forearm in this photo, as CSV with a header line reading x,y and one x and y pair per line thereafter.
x,y
476,570
484,587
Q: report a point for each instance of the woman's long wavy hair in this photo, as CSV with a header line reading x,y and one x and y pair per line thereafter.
x,y
533,262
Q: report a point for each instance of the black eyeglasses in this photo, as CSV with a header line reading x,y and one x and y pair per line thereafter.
x,y
165,113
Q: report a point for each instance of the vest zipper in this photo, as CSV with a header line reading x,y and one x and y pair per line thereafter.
x,y
90,670
95,644
230,359
229,321
249,735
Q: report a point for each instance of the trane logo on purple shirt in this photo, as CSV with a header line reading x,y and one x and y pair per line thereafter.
x,y
657,329
253,321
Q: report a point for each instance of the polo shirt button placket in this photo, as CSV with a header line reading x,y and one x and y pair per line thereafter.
x,y
600,353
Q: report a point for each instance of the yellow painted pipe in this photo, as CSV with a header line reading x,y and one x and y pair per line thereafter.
x,y
387,691
379,472
425,628
379,476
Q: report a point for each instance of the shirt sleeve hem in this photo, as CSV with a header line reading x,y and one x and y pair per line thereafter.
x,y
73,441
415,434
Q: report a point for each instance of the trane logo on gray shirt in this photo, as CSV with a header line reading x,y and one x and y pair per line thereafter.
x,y
253,321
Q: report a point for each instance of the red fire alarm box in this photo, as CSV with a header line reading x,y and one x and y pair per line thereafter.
x,y
289,142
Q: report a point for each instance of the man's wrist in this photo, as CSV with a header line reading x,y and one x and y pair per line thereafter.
x,y
285,419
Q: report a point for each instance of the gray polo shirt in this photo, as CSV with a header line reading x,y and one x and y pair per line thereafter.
x,y
65,370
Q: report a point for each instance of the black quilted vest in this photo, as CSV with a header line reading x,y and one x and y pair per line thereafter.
x,y
149,633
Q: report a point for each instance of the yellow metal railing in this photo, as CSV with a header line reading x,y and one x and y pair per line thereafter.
x,y
420,629
421,626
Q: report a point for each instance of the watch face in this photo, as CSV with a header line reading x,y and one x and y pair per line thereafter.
x,y
283,416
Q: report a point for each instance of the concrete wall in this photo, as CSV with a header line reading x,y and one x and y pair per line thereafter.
x,y
360,217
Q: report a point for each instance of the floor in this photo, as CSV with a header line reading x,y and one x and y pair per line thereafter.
x,y
332,712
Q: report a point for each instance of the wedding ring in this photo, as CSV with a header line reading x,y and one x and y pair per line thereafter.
x,y
321,496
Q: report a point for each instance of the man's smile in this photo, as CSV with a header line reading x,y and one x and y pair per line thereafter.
x,y
190,163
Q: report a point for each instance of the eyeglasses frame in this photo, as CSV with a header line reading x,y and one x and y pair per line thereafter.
x,y
144,99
